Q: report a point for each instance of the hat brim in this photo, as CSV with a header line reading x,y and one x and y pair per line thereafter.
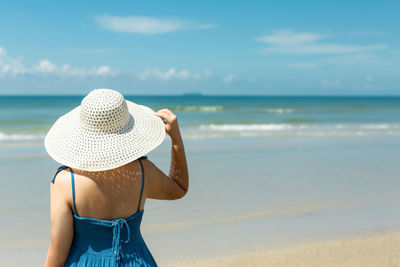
x,y
71,144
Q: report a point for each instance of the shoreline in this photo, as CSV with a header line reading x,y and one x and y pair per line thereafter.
x,y
370,250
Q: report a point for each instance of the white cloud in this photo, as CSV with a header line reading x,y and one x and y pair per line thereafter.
x,y
2,51
148,25
207,73
229,78
323,49
103,70
45,66
172,73
100,71
288,42
10,66
14,66
369,78
289,38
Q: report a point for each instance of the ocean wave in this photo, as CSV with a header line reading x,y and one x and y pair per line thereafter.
x,y
286,130
204,131
298,120
245,127
277,127
382,126
198,136
198,108
278,110
19,136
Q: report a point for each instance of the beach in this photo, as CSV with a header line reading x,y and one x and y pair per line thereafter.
x,y
371,251
301,183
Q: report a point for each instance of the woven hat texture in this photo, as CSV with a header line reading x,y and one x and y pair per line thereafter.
x,y
104,132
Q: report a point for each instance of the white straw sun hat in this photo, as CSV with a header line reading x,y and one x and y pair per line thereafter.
x,y
104,132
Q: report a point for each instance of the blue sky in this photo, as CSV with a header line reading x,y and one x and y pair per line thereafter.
x,y
212,47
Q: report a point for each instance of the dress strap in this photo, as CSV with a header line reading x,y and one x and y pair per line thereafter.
x,y
73,191
63,167
141,190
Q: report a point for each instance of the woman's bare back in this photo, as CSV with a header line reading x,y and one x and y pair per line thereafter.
x,y
107,195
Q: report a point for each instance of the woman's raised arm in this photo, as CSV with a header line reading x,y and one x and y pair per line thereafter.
x,y
175,185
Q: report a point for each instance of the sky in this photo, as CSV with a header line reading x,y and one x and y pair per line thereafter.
x,y
210,47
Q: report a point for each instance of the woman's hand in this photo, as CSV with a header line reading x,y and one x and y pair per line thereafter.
x,y
171,123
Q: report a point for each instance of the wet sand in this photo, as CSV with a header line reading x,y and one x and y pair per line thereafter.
x,y
371,251
264,193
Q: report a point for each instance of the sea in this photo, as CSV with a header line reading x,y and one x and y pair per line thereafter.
x,y
265,172
27,118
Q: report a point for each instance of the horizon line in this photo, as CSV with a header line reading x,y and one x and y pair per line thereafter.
x,y
216,95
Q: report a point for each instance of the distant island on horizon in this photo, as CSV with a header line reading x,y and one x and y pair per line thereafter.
x,y
193,94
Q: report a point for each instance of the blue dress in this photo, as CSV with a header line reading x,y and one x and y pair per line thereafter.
x,y
108,243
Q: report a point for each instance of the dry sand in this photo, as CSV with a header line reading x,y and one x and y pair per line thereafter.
x,y
377,250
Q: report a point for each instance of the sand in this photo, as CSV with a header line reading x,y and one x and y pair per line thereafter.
x,y
376,250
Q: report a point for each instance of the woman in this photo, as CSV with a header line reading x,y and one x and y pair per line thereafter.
x,y
98,195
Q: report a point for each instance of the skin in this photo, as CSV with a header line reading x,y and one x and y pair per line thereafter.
x,y
113,193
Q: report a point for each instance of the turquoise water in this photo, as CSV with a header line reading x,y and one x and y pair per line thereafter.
x,y
264,172
25,118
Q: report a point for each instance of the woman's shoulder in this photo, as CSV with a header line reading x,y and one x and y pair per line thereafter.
x,y
61,177
61,186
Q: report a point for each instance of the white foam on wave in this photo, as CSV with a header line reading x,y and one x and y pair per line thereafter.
x,y
279,110
200,108
246,127
206,131
277,127
381,126
197,136
17,136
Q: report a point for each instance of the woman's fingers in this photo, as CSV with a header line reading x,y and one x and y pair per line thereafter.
x,y
166,111
163,116
159,114
170,121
